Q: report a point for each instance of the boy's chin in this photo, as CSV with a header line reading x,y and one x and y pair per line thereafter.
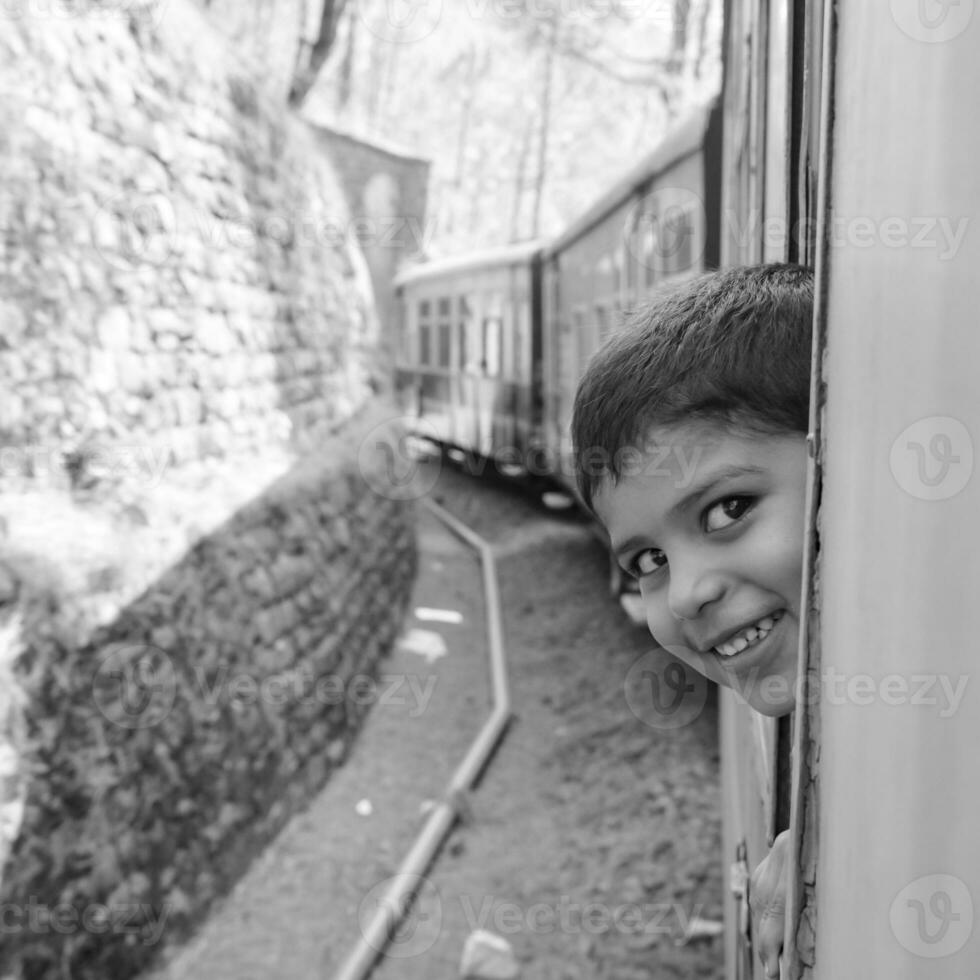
x,y
774,696
771,710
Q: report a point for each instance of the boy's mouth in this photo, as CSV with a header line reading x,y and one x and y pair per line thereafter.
x,y
749,636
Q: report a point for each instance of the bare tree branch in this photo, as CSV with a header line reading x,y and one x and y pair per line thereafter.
x,y
306,74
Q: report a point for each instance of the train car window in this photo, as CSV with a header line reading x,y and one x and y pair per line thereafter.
x,y
465,313
632,260
681,235
425,332
520,335
650,250
445,345
492,329
444,333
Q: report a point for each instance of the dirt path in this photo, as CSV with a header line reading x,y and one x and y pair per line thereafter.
x,y
592,838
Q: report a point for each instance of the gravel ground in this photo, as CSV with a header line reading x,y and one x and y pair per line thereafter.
x,y
592,839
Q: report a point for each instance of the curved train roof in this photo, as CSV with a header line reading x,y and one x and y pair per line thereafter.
x,y
499,255
681,141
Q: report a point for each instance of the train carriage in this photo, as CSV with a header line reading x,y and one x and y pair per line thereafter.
x,y
813,156
469,351
656,225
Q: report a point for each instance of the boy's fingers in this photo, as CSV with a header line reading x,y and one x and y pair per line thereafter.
x,y
767,900
768,929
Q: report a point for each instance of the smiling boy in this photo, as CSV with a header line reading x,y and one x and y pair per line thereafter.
x,y
690,431
690,435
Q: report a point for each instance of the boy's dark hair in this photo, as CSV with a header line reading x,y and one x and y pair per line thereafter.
x,y
730,347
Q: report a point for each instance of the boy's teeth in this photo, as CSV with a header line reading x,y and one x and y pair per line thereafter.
x,y
759,631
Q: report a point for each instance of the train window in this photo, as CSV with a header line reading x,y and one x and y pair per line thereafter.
x,y
425,332
522,341
492,329
462,327
681,236
444,333
649,249
445,345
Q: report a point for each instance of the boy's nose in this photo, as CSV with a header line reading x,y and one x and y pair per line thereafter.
x,y
691,590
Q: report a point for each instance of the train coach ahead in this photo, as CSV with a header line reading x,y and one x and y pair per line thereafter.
x,y
656,225
469,351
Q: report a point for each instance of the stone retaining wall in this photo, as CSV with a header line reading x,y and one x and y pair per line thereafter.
x,y
200,563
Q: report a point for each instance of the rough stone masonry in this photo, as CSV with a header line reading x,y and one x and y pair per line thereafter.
x,y
195,561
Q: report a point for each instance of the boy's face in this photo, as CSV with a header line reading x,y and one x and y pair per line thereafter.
x,y
712,525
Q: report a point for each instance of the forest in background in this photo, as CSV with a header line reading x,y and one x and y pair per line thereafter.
x,y
528,109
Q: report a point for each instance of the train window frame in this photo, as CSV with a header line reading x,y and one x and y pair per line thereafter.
x,y
443,333
424,314
464,314
492,330
681,260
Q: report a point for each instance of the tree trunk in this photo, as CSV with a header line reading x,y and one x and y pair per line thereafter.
x,y
515,215
682,14
345,81
702,51
462,139
309,64
547,77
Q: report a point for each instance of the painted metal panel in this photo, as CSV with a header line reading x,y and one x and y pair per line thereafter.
x,y
898,869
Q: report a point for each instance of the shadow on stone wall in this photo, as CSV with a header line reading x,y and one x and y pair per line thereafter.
x,y
167,746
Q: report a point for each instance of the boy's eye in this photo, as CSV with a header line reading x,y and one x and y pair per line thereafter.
x,y
647,562
726,512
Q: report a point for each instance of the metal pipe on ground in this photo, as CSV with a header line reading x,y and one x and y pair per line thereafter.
x,y
398,899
